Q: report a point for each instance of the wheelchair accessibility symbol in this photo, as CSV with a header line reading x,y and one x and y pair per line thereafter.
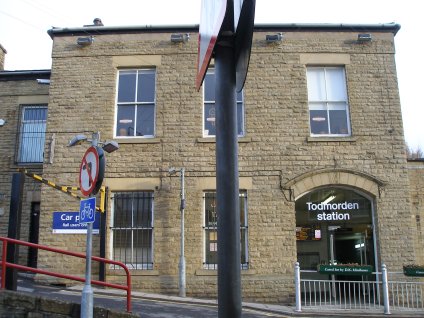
x,y
87,209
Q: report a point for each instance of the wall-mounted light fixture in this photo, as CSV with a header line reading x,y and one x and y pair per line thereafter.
x,y
2,122
108,146
273,38
43,81
364,37
180,38
86,40
77,140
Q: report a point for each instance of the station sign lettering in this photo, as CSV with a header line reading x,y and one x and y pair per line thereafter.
x,y
341,211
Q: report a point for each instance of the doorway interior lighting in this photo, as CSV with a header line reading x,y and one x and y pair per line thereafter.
x,y
329,199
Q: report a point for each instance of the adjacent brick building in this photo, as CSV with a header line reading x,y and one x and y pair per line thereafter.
x,y
321,153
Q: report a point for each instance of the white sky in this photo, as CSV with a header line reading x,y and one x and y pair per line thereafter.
x,y
24,25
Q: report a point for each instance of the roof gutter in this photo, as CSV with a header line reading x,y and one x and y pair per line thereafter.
x,y
289,27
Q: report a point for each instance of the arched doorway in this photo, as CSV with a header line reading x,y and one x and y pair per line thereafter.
x,y
334,225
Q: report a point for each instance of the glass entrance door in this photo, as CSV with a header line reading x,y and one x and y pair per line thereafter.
x,y
351,245
334,227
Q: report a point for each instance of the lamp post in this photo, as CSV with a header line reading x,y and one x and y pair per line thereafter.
x,y
182,263
87,292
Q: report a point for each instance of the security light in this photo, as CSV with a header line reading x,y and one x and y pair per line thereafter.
x,y
180,38
84,41
272,38
42,81
364,37
110,146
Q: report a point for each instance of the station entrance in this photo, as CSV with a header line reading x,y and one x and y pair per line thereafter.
x,y
334,226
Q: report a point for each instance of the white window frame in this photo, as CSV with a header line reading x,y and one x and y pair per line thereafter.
x,y
327,104
135,103
212,117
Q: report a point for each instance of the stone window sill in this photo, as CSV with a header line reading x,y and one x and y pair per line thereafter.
x,y
138,140
331,139
133,272
213,140
214,272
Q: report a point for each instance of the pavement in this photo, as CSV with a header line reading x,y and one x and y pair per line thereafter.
x,y
288,311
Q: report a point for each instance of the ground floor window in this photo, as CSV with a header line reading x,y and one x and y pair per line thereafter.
x,y
132,229
210,230
334,226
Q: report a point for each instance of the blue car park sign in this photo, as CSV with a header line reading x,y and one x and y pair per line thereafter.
x,y
69,223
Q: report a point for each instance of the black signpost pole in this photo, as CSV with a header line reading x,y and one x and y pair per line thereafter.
x,y
14,229
227,180
102,231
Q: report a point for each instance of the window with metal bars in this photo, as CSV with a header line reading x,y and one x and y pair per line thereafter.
x,y
211,234
132,229
32,132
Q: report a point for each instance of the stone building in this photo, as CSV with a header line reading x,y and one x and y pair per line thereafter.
x,y
22,99
323,171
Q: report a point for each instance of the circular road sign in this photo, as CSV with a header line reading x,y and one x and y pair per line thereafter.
x,y
89,171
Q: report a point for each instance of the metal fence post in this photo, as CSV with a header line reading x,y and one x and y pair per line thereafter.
x,y
385,290
297,287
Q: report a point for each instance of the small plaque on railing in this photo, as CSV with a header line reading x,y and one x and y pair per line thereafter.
x,y
345,269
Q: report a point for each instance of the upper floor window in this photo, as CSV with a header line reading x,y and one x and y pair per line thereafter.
x,y
136,103
328,102
209,128
211,230
32,134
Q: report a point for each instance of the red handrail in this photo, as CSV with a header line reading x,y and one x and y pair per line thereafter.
x,y
5,264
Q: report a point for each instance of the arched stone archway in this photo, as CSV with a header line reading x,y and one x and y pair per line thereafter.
x,y
326,177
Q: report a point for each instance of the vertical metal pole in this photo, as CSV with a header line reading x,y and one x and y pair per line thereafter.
x,y
14,229
87,291
227,181
332,261
386,300
182,264
297,287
